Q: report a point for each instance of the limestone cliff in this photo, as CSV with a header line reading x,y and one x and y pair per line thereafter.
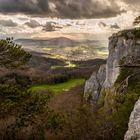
x,y
133,132
94,84
122,71
122,44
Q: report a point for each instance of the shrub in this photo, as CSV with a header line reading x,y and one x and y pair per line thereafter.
x,y
30,110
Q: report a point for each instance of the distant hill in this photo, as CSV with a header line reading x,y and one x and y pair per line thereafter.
x,y
61,41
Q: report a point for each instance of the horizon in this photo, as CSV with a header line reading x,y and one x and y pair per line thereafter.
x,y
69,70
43,19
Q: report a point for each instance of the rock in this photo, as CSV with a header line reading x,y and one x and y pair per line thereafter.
x,y
133,132
123,46
119,47
94,84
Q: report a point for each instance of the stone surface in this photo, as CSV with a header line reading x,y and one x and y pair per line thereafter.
x,y
120,46
133,132
94,84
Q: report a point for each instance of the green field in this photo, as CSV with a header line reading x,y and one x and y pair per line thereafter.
x,y
58,88
70,65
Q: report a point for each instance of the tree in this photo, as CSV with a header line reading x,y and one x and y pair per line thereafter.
x,y
11,54
30,111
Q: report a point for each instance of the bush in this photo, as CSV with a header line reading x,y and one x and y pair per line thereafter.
x,y
30,110
15,78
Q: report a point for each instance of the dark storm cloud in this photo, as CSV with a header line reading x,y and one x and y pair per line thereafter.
x,y
24,6
115,26
51,26
133,4
87,8
32,24
112,26
66,8
8,23
102,24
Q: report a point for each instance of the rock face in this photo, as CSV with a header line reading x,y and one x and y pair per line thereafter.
x,y
125,46
121,45
94,84
133,132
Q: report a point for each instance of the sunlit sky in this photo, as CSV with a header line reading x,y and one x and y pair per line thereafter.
x,y
70,18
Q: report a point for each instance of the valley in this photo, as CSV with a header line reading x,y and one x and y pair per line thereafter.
x,y
67,49
69,70
61,59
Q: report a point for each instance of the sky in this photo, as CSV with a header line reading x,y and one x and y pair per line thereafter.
x,y
70,18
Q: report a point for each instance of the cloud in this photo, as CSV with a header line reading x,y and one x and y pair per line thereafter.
x,y
32,7
88,8
69,8
134,5
102,24
115,26
51,26
63,8
8,23
32,24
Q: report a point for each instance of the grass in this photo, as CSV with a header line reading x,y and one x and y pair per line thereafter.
x,y
58,88
55,67
58,57
69,65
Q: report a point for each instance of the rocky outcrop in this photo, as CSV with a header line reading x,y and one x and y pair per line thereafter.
x,y
94,85
133,132
122,44
124,49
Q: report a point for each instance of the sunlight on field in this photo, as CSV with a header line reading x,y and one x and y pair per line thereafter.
x,y
68,65
47,49
58,88
55,67
58,57
102,54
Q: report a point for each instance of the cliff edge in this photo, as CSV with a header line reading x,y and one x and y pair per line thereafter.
x,y
116,86
124,44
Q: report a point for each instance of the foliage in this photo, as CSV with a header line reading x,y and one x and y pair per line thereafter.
x,y
120,105
136,32
124,105
11,54
15,78
30,110
131,33
124,73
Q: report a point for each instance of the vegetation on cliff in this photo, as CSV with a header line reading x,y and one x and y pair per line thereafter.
x,y
118,103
